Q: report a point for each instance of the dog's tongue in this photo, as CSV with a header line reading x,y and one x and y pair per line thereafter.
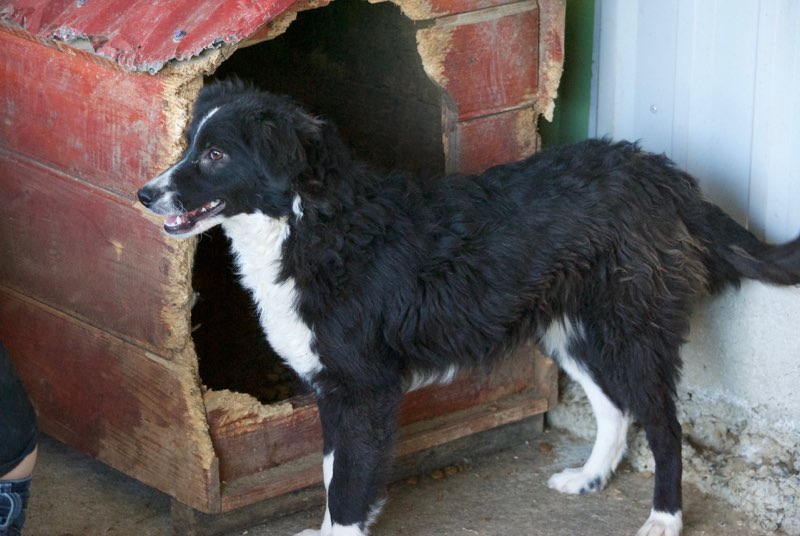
x,y
181,220
187,220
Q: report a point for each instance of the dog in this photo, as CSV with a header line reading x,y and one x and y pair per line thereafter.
x,y
370,284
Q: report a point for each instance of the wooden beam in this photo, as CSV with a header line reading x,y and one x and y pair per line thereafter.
x,y
138,413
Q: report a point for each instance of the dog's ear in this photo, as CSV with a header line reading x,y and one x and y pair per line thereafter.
x,y
309,132
327,163
283,130
307,127
324,150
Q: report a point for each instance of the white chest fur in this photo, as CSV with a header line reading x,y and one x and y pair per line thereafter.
x,y
256,241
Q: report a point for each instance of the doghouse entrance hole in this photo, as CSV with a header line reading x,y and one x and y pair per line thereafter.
x,y
232,350
355,64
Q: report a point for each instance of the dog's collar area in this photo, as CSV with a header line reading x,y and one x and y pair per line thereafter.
x,y
185,221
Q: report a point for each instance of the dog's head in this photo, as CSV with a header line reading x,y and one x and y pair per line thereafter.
x,y
246,150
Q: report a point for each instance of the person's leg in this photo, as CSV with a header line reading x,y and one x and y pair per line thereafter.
x,y
17,450
24,469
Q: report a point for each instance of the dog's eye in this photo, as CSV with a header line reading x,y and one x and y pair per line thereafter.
x,y
215,154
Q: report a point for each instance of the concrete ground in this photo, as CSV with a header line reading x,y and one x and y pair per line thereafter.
x,y
500,494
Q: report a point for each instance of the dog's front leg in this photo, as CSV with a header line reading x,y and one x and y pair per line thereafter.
x,y
359,428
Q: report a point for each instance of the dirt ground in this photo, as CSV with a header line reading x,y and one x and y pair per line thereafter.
x,y
500,494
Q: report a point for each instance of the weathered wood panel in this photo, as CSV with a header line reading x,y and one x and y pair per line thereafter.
x,y
82,114
429,9
487,61
250,438
306,469
551,54
88,252
509,377
472,146
140,414
422,435
143,35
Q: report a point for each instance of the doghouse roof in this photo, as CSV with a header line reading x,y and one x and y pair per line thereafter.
x,y
142,35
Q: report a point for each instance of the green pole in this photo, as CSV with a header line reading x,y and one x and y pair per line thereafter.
x,y
571,114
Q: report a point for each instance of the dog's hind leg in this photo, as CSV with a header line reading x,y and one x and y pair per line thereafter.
x,y
561,341
664,436
609,446
359,428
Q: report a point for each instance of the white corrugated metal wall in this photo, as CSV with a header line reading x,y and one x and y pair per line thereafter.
x,y
715,84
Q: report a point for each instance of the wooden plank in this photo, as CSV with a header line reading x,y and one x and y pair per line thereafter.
x,y
545,372
473,146
89,252
487,61
510,376
79,114
250,438
441,8
140,414
300,473
141,34
188,521
429,9
280,23
307,470
552,14
423,435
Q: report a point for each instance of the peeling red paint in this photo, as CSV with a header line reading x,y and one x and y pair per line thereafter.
x,y
142,35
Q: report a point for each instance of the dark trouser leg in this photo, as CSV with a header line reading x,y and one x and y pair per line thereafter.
x,y
13,501
18,436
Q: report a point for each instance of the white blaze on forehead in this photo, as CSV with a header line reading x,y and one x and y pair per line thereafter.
x,y
202,123
200,126
166,200
164,180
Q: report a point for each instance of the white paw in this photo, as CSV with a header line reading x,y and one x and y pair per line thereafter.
x,y
662,524
334,530
576,482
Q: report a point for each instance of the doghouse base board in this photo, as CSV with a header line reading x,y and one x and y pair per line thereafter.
x,y
187,521
270,450
416,437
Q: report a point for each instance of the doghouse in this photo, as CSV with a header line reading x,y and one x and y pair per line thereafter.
x,y
141,350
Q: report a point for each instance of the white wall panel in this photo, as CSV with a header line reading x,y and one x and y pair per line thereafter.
x,y
774,204
714,84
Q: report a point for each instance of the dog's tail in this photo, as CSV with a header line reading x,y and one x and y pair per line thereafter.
x,y
734,252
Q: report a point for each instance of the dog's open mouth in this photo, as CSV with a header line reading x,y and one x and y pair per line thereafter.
x,y
186,221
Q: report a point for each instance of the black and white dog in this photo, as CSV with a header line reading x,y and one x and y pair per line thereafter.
x,y
370,283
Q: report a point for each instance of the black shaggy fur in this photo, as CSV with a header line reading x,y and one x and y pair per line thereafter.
x,y
398,277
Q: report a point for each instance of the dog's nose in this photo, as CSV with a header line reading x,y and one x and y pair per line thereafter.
x,y
146,196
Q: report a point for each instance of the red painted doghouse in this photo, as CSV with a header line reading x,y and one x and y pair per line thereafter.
x,y
96,303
